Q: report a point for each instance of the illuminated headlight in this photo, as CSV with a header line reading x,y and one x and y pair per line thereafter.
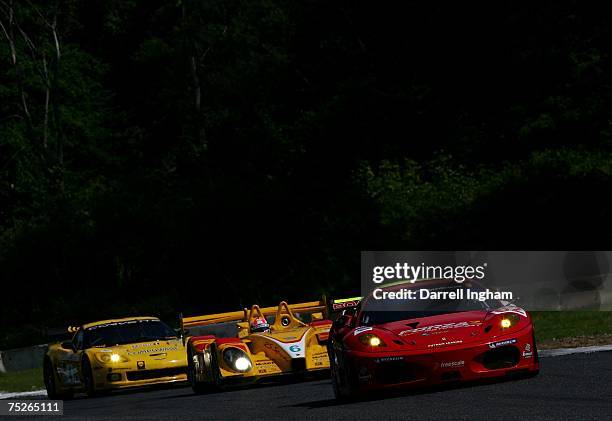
x,y
508,320
237,359
107,357
371,340
242,364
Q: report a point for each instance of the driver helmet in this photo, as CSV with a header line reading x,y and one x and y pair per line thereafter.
x,y
259,325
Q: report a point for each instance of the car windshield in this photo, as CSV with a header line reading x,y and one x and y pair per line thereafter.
x,y
131,331
377,312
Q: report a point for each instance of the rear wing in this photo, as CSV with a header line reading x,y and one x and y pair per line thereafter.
x,y
242,315
342,304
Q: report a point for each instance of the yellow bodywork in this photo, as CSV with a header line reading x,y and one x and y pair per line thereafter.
x,y
292,346
119,366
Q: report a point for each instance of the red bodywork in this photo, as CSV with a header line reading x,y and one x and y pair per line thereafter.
x,y
460,346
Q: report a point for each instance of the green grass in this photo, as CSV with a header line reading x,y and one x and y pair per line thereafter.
x,y
22,381
550,325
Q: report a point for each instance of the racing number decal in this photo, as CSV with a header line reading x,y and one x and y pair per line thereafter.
x,y
295,348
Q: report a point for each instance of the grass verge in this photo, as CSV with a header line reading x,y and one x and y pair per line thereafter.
x,y
22,381
561,329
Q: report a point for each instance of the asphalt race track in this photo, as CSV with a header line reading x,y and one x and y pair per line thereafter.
x,y
568,387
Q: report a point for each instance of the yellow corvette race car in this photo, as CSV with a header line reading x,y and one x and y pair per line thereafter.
x,y
114,354
241,347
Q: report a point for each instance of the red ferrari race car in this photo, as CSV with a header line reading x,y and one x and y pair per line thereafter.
x,y
428,342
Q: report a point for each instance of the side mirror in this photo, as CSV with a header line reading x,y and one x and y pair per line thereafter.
x,y
67,345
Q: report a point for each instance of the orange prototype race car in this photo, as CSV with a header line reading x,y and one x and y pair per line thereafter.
x,y
242,347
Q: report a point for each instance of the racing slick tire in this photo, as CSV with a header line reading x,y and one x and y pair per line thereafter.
x,y
88,379
536,356
204,387
51,382
346,387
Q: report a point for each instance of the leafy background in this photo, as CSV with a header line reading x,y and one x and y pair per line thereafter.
x,y
203,155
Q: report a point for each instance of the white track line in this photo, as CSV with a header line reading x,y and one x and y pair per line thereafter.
x,y
10,395
568,351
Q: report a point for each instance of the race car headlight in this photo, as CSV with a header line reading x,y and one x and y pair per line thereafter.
x,y
372,340
242,364
508,320
109,358
237,359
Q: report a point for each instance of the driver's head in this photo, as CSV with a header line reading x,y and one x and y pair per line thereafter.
x,y
259,324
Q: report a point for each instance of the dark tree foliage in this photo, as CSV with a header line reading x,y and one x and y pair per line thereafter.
x,y
201,155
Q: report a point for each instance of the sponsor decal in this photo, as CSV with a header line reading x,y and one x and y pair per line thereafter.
x,y
444,343
264,366
361,330
527,352
153,350
435,328
128,322
293,349
364,374
452,364
275,349
68,373
342,304
385,359
493,345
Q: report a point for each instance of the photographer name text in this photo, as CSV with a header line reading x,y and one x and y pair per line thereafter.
x,y
457,294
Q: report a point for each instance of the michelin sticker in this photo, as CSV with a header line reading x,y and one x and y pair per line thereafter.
x,y
502,343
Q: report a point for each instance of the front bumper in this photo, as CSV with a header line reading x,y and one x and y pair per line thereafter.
x,y
468,362
245,380
109,378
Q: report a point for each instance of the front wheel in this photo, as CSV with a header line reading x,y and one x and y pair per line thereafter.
x,y
204,387
335,375
51,382
344,382
536,356
197,387
88,379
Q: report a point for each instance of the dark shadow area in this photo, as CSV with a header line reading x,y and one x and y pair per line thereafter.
x,y
268,383
408,391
